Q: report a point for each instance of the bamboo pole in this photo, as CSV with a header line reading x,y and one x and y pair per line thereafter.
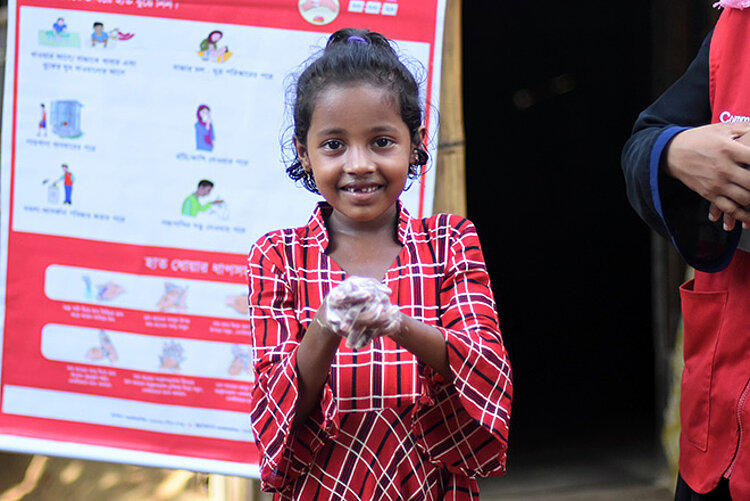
x,y
450,174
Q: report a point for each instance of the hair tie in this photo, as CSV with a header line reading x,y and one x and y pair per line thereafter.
x,y
358,39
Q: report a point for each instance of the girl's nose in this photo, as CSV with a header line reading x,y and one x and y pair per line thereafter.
x,y
359,161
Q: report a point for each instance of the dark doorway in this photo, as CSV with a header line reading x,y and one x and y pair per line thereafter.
x,y
551,92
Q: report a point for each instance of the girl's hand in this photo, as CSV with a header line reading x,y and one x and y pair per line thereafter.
x,y
359,309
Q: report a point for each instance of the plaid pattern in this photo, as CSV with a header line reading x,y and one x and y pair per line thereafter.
x,y
388,426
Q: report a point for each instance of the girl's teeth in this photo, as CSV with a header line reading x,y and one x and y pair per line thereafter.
x,y
363,190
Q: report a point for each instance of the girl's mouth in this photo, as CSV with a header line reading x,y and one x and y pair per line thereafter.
x,y
361,189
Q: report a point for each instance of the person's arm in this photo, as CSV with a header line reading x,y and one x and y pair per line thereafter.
x,y
279,393
463,417
670,150
426,343
315,355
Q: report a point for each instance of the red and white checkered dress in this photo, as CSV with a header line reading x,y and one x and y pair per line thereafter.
x,y
388,426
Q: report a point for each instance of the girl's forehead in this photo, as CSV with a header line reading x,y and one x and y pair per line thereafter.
x,y
351,94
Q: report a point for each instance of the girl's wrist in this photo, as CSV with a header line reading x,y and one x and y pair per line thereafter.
x,y
322,327
398,335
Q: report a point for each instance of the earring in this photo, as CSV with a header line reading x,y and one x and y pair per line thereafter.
x,y
420,157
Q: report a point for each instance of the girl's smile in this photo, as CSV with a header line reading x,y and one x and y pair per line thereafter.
x,y
358,149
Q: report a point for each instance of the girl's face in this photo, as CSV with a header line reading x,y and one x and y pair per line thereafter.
x,y
359,150
205,114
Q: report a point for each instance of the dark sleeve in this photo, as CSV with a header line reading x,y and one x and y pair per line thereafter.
x,y
667,205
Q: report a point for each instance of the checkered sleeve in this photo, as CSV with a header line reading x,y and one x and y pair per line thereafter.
x,y
276,333
466,427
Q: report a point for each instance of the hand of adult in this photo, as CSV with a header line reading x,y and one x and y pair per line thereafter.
x,y
712,161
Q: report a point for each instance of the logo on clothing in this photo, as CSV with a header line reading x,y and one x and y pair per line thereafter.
x,y
726,117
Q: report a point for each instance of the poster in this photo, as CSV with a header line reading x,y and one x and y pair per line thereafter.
x,y
140,159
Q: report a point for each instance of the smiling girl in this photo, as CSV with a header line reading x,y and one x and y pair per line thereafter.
x,y
380,368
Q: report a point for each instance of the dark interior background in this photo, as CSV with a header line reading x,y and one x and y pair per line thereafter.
x,y
551,91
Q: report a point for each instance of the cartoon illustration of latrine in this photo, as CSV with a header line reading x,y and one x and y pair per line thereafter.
x,y
204,129
171,356
241,361
66,118
192,206
173,298
105,350
99,36
210,50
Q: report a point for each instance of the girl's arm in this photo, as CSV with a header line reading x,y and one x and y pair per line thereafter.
x,y
277,333
463,419
314,357
424,342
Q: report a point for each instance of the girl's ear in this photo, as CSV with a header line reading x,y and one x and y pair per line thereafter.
x,y
419,138
302,153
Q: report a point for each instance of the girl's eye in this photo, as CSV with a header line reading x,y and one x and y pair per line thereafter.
x,y
383,142
332,144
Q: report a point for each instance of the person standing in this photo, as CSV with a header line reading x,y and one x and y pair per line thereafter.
x,y
685,167
67,179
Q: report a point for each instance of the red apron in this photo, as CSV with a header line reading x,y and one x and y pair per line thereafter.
x,y
714,413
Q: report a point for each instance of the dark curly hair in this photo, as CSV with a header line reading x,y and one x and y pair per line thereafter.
x,y
354,56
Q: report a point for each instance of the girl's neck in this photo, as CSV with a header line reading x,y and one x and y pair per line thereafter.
x,y
365,249
339,225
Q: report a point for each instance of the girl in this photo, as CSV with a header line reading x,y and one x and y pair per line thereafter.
x,y
421,408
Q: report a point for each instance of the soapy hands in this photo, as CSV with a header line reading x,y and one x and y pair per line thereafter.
x,y
360,310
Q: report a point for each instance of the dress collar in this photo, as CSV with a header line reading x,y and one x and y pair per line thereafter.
x,y
319,232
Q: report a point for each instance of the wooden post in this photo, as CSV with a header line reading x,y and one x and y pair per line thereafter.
x,y
450,174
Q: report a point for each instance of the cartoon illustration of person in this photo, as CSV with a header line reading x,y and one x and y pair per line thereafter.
x,y
204,129
192,206
99,35
238,303
240,361
42,130
59,36
173,298
171,356
210,50
104,292
67,179
59,27
105,349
